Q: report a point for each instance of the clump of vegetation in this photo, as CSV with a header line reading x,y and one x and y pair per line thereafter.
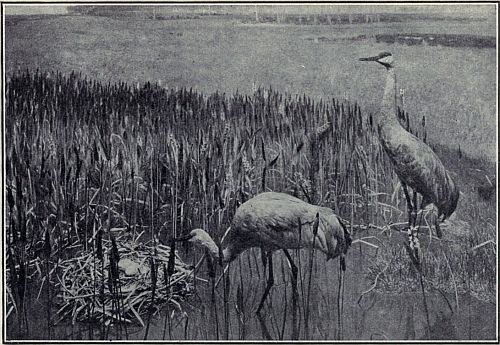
x,y
446,40
143,164
79,301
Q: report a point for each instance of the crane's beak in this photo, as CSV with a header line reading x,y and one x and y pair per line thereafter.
x,y
183,238
372,58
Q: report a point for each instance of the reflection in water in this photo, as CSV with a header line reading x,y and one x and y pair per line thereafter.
x,y
379,315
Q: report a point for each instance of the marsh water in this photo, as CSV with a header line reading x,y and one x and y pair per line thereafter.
x,y
378,315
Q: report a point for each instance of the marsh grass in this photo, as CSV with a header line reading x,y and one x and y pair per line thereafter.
x,y
86,159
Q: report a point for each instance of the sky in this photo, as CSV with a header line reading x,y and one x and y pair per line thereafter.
x,y
454,9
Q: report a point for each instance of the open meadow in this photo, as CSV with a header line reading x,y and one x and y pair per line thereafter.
x,y
121,133
452,87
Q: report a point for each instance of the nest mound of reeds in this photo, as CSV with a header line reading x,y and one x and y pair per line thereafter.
x,y
114,288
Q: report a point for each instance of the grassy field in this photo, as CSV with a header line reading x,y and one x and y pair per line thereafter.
x,y
452,87
85,156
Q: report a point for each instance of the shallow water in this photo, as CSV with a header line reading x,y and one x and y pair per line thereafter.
x,y
379,315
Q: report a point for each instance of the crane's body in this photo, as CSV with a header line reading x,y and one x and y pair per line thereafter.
x,y
415,163
270,221
419,167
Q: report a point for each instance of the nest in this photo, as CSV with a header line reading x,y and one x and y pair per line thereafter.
x,y
85,293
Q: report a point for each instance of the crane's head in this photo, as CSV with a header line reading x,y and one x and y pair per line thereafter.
x,y
201,238
385,59
198,236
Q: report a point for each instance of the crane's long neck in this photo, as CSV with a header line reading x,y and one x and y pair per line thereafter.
x,y
213,249
388,109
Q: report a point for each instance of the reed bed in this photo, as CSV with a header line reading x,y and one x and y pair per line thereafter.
x,y
144,164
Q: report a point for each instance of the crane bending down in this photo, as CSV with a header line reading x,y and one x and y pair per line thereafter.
x,y
415,163
270,221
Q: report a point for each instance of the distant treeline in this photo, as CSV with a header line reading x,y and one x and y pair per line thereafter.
x,y
343,18
144,12
279,17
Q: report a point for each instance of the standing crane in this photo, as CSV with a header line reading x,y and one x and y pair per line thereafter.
x,y
415,163
270,221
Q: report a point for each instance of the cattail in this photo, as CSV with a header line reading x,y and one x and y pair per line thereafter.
x,y
95,153
315,226
263,185
10,199
19,191
114,249
22,228
62,164
111,275
119,164
171,259
152,266
47,247
263,151
99,250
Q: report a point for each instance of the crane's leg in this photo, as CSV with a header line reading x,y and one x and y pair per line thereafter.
x,y
409,205
414,242
270,280
414,210
412,234
438,228
408,202
295,296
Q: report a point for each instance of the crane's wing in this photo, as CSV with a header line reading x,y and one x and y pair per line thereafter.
x,y
272,220
417,165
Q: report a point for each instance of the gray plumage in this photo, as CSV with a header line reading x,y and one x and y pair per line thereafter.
x,y
415,163
270,221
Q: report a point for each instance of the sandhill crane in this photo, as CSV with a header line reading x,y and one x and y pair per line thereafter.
x,y
415,163
270,221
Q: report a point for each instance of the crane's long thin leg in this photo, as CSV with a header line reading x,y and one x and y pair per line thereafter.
x,y
270,280
415,209
295,296
413,253
408,202
415,228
